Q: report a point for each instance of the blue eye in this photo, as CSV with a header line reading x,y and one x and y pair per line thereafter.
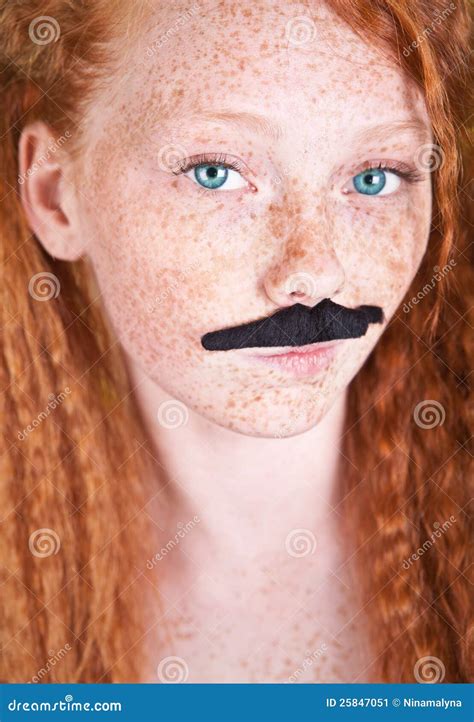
x,y
215,176
211,176
376,182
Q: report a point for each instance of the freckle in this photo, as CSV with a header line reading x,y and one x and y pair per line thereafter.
x,y
301,253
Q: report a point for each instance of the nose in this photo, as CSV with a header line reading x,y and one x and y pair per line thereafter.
x,y
307,271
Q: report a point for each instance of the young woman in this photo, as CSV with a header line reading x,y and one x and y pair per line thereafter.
x,y
235,337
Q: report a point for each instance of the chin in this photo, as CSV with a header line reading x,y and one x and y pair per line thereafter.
x,y
265,426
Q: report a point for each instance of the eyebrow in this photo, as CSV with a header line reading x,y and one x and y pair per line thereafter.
x,y
384,131
259,123
255,122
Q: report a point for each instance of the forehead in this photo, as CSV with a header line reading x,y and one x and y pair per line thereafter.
x,y
298,64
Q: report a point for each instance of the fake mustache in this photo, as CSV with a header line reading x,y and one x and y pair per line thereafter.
x,y
297,325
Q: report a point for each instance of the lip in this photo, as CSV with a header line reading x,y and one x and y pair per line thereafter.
x,y
298,361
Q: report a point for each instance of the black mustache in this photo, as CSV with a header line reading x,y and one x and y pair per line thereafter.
x,y
297,325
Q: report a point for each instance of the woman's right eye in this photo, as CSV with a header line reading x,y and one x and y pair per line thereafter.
x,y
216,177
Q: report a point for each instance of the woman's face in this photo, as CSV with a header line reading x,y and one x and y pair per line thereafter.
x,y
302,107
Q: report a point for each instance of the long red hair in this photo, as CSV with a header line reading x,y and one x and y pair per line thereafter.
x,y
80,480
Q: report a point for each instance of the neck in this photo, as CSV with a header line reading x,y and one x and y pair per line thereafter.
x,y
248,493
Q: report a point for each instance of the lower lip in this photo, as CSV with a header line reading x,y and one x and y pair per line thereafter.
x,y
301,363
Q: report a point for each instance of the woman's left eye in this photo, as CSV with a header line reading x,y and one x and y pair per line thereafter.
x,y
216,177
376,182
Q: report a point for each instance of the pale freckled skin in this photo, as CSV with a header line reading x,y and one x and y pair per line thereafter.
x,y
174,262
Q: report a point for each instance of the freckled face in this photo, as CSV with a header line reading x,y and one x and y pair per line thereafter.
x,y
271,214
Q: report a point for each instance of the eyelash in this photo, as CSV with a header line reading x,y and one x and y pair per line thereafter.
x,y
410,175
209,159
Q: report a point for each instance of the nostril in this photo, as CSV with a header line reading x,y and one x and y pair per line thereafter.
x,y
301,284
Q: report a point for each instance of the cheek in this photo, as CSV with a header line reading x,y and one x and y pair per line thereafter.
x,y
381,247
169,268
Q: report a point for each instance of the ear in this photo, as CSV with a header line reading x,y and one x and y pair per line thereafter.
x,y
47,197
